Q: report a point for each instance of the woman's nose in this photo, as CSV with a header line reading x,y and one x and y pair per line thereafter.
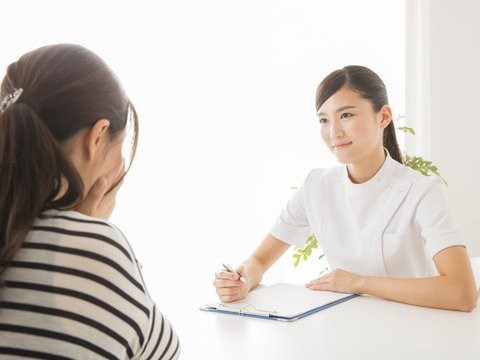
x,y
336,131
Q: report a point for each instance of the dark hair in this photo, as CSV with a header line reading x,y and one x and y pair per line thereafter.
x,y
66,88
369,86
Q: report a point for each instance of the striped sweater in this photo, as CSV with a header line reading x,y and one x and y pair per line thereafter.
x,y
74,291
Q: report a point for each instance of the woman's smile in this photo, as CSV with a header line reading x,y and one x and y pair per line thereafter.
x,y
341,145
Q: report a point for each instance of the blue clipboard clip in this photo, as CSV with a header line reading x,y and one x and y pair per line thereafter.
x,y
249,310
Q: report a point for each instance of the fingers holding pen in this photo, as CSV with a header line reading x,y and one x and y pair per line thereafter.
x,y
228,279
229,285
225,275
242,272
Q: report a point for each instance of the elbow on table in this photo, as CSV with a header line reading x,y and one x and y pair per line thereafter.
x,y
467,300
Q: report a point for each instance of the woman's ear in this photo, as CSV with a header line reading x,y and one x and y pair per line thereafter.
x,y
385,116
95,138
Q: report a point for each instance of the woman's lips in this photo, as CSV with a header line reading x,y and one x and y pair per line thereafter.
x,y
341,145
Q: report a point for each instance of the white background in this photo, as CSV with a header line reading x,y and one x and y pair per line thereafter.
x,y
225,93
442,86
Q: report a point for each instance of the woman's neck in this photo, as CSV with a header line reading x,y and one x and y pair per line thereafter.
x,y
365,169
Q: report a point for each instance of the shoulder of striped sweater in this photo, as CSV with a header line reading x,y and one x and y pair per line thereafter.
x,y
75,221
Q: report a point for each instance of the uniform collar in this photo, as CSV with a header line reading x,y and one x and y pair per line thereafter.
x,y
376,184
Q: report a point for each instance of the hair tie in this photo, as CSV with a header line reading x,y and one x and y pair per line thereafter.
x,y
10,99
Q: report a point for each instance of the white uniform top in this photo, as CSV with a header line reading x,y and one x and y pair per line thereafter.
x,y
391,225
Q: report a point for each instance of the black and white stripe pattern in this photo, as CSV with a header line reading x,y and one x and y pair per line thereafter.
x,y
74,291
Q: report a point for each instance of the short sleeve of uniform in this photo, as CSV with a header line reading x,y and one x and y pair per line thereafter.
x,y
292,225
435,219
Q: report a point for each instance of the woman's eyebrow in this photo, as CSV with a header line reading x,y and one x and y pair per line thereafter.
x,y
342,108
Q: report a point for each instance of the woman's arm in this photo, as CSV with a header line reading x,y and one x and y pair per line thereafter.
x,y
228,285
454,288
162,341
263,258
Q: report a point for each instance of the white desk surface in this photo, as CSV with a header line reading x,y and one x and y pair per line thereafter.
x,y
361,328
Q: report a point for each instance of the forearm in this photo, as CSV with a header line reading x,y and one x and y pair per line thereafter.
x,y
263,258
454,288
436,292
255,271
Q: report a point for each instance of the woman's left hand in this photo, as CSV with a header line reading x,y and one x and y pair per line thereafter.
x,y
337,280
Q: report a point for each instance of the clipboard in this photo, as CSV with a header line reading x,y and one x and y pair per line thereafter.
x,y
280,302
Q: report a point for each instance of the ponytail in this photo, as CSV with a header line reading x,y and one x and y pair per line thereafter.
x,y
47,96
32,172
390,143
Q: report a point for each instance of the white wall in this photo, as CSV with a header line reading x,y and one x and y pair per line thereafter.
x,y
442,87
225,93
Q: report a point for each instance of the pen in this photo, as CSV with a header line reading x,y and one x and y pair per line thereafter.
x,y
230,270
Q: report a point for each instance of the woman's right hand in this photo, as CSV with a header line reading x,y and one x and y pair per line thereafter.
x,y
99,202
229,286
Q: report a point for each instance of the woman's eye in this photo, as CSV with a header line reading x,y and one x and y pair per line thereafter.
x,y
322,121
345,115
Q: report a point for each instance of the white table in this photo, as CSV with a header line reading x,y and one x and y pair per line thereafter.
x,y
361,328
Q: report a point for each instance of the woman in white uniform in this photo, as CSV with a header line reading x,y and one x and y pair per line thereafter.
x,y
386,230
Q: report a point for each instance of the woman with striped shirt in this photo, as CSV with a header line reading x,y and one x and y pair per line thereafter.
x,y
70,286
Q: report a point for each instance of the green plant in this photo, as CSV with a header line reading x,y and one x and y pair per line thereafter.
x,y
303,253
425,167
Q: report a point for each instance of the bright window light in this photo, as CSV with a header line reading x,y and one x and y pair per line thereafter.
x,y
225,95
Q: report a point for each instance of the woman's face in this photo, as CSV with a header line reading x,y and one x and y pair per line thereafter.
x,y
350,127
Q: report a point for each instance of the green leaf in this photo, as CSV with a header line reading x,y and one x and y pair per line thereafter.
x,y
305,252
406,129
425,167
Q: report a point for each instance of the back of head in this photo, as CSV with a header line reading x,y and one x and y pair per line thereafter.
x,y
68,87
64,88
370,87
